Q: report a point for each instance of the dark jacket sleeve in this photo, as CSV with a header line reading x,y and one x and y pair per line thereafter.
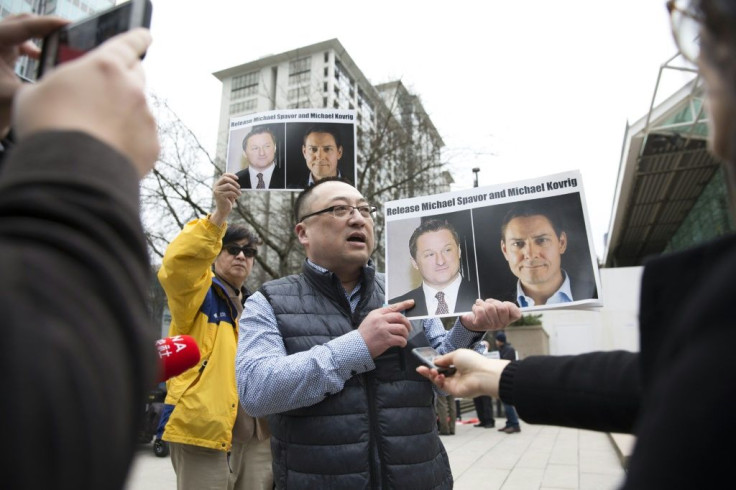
x,y
78,351
597,391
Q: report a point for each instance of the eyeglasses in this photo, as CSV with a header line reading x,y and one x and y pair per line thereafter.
x,y
343,210
234,250
685,28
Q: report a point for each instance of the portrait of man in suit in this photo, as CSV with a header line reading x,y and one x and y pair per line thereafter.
x,y
435,253
260,149
533,242
322,150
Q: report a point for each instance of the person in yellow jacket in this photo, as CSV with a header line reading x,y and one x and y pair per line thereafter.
x,y
214,443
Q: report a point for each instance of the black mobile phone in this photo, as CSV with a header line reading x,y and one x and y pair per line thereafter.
x,y
426,356
73,40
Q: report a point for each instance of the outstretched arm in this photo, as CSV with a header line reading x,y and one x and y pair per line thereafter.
x,y
596,391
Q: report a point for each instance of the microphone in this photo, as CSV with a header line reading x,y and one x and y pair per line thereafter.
x,y
177,354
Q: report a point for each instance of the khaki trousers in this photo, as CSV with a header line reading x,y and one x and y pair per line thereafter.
x,y
199,468
250,463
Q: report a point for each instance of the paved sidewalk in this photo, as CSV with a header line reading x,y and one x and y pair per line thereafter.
x,y
539,457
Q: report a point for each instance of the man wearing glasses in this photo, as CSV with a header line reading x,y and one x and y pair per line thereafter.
x,y
212,439
330,364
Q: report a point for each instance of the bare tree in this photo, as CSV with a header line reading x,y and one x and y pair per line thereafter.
x,y
400,157
178,189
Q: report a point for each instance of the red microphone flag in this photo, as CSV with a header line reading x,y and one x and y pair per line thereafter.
x,y
177,354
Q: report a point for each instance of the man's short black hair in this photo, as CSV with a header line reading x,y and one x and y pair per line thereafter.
x,y
236,232
302,197
324,128
529,209
260,130
426,227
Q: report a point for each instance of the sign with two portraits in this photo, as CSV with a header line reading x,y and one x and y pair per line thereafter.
x,y
286,146
528,242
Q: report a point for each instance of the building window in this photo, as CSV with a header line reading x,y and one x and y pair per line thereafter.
x,y
298,78
366,108
243,106
299,70
344,86
297,92
300,65
327,56
244,85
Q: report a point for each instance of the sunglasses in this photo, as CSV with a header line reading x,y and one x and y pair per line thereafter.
x,y
235,250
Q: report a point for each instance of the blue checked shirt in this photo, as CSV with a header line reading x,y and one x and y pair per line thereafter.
x,y
270,381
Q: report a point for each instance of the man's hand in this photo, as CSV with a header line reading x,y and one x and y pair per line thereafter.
x,y
475,375
490,314
386,327
102,94
225,192
16,32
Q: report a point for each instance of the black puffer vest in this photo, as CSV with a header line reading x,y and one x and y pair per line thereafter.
x,y
380,431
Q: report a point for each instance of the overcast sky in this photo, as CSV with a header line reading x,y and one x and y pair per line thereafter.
x,y
517,88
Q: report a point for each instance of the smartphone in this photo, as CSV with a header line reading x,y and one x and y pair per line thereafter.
x,y
73,40
426,356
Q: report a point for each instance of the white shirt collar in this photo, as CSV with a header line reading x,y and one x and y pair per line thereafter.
x,y
562,295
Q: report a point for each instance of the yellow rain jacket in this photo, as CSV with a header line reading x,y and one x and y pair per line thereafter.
x,y
205,397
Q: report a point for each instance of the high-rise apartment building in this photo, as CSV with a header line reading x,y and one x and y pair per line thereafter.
x,y
69,9
323,75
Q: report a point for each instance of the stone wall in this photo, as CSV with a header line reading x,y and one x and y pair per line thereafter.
x,y
531,340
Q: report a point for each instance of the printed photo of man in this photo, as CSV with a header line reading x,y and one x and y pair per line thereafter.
x,y
322,150
260,150
435,252
533,242
317,150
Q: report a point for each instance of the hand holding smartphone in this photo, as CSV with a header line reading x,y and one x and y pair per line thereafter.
x,y
426,356
74,40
